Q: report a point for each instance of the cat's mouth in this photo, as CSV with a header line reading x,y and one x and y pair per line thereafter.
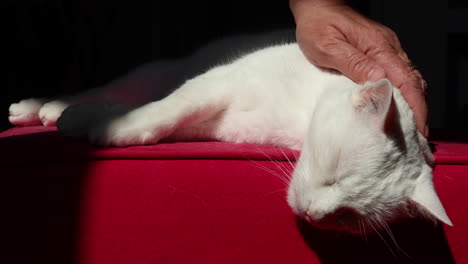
x,y
343,219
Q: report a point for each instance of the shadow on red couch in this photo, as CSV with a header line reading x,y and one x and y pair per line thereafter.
x,y
43,212
413,241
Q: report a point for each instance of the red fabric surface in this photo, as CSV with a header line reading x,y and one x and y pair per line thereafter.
x,y
194,202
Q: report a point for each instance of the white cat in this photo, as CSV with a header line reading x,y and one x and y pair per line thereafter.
x,y
362,160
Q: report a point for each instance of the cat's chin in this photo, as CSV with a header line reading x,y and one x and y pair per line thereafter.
x,y
347,222
354,228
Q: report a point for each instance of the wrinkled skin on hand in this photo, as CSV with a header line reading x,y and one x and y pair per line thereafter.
x,y
333,35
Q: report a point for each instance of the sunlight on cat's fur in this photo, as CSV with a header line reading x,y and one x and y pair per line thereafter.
x,y
362,164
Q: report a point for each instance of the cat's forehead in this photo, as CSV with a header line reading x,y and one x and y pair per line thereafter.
x,y
338,126
334,107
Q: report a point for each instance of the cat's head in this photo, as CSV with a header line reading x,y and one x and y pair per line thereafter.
x,y
363,162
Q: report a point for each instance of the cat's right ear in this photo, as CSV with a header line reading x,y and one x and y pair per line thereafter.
x,y
373,101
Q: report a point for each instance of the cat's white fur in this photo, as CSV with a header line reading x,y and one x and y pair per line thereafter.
x,y
362,160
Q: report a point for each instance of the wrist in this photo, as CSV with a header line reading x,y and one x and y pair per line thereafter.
x,y
316,3
304,8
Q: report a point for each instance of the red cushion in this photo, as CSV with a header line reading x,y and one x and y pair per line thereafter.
x,y
195,202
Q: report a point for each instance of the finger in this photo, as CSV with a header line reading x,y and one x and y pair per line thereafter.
x,y
404,57
417,102
343,57
409,81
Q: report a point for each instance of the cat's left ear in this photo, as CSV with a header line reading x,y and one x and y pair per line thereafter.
x,y
373,101
426,197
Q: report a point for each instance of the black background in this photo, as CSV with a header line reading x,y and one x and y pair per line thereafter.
x,y
65,46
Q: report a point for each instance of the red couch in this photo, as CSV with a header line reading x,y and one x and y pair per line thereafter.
x,y
194,202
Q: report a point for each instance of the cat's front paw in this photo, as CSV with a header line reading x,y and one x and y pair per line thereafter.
x,y
123,131
51,111
26,112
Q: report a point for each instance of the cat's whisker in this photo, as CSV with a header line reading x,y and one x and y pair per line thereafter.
x,y
291,163
277,175
277,191
286,175
390,234
269,170
369,221
361,228
280,164
364,230
388,230
284,171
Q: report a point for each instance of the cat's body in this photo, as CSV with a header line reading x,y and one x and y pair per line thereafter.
x,y
249,106
361,158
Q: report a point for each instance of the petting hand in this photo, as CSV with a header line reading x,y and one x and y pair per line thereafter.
x,y
333,35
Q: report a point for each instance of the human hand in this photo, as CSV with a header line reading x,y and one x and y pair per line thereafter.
x,y
333,35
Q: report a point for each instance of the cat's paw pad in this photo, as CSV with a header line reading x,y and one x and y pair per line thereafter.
x,y
51,111
26,112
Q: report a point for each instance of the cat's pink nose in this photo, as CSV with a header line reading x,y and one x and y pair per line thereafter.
x,y
335,219
313,215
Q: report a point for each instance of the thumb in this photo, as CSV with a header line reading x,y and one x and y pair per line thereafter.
x,y
353,63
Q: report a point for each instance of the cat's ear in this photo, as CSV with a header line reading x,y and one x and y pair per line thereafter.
x,y
374,101
426,197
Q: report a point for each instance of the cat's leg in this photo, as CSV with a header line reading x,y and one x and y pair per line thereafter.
x,y
41,111
197,100
135,88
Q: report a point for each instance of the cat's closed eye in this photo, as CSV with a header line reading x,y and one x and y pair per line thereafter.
x,y
330,182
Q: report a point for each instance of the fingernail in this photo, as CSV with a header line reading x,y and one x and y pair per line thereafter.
x,y
375,74
423,86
